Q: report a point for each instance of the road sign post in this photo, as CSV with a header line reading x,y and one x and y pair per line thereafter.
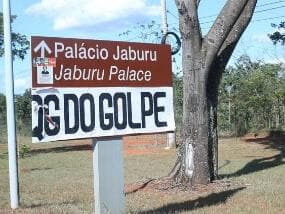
x,y
108,175
94,89
11,126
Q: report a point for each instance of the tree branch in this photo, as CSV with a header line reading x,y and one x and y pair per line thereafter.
x,y
229,44
189,23
236,32
221,28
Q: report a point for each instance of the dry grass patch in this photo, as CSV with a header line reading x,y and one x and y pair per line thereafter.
x,y
57,178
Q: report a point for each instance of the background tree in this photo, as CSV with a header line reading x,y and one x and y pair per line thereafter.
x,y
23,112
257,97
2,117
178,101
279,35
2,108
203,62
20,44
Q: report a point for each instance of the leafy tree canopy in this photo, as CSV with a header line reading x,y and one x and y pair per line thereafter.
x,y
279,35
253,93
20,43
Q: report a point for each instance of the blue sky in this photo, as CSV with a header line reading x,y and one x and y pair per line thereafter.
x,y
106,19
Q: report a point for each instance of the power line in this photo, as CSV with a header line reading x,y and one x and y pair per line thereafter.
x,y
202,23
258,6
271,3
255,20
262,5
269,18
172,14
273,8
259,11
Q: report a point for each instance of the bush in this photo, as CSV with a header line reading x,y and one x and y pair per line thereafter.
x,y
24,150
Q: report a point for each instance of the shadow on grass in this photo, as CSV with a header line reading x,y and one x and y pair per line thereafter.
x,y
258,165
48,204
275,140
227,162
40,169
210,200
61,149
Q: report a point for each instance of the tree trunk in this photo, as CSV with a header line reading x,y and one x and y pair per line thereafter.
x,y
203,61
212,98
198,152
192,164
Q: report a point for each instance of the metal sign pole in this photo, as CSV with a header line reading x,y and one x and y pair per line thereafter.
x,y
170,141
164,26
108,175
12,145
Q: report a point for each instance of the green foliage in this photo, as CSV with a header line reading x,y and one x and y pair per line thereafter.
x,y
178,100
23,113
252,97
2,118
20,43
278,36
2,108
24,150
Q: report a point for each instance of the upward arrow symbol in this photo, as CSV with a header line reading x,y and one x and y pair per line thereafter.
x,y
43,47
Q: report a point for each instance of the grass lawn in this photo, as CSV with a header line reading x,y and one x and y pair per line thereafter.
x,y
57,178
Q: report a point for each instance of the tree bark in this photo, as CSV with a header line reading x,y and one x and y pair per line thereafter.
x,y
203,61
